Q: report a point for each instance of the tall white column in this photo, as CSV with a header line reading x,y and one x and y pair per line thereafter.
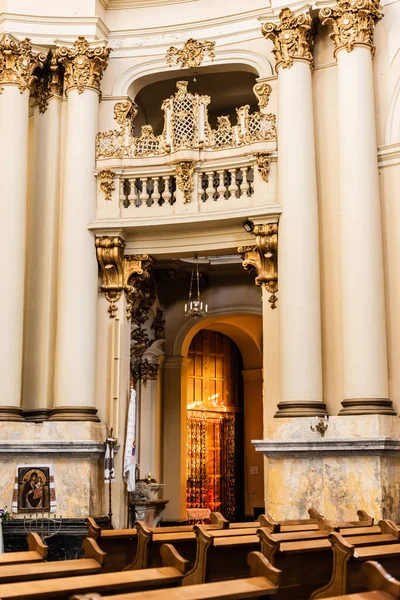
x,y
15,79
74,391
299,278
363,304
42,255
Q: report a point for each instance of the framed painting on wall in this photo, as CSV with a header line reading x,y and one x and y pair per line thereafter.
x,y
33,489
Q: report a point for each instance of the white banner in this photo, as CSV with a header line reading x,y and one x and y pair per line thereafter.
x,y
130,444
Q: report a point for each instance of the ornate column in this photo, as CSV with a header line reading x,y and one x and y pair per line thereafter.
x,y
299,280
363,305
74,388
42,255
18,61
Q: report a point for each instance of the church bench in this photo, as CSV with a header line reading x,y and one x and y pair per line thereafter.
x,y
219,520
120,545
347,575
307,564
262,582
219,556
315,522
37,551
91,562
169,575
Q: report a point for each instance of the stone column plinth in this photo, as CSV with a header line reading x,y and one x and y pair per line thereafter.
x,y
18,61
363,302
298,263
74,389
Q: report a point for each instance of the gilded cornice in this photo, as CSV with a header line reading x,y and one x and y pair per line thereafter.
x,y
292,36
263,258
352,23
18,62
84,64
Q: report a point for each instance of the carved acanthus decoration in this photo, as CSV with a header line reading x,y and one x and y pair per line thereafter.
x,y
106,183
49,83
262,91
18,62
117,269
263,258
292,36
125,112
352,23
263,164
158,325
84,64
144,371
184,179
192,53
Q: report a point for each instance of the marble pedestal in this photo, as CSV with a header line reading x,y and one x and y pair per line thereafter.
x,y
356,465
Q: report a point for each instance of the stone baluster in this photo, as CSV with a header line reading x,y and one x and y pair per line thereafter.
x,y
75,359
143,196
200,191
166,194
233,187
362,278
210,191
221,189
155,196
18,61
244,187
132,197
299,279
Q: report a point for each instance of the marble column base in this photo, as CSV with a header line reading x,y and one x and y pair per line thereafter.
x,y
300,408
74,413
11,413
367,406
355,465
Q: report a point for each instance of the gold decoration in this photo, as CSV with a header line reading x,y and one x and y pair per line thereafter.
x,y
84,64
106,183
192,53
352,23
116,269
262,91
48,84
18,62
144,370
293,37
184,179
263,164
125,112
263,258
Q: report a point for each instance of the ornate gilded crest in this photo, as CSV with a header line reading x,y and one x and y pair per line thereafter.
x,y
192,53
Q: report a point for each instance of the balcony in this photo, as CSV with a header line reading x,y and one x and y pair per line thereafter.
x,y
190,171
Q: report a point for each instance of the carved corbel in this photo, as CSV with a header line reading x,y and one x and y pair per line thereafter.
x,y
184,179
117,269
107,186
263,164
262,91
263,258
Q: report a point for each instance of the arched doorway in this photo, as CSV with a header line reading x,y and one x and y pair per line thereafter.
x,y
215,456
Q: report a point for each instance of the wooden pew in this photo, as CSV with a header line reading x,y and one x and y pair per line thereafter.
x,y
169,575
315,522
221,555
307,564
37,551
347,575
90,563
150,542
219,520
262,582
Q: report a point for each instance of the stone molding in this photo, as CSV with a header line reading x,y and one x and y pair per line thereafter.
x,y
323,447
76,448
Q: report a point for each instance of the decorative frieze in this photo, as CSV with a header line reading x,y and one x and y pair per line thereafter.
x,y
263,258
107,186
84,64
117,269
18,62
292,36
184,179
192,53
352,23
48,84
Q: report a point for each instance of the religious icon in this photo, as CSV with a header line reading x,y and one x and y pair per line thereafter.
x,y
33,489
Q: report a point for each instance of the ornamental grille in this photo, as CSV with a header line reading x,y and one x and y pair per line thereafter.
x,y
184,119
109,144
261,127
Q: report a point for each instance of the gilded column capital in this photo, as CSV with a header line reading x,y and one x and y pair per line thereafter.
x,y
48,85
263,258
18,61
293,37
84,64
352,23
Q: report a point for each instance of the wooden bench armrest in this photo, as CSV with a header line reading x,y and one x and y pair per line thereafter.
x,y
36,544
261,567
314,514
217,518
340,544
267,522
364,516
91,549
171,558
388,526
379,579
94,531
269,546
326,525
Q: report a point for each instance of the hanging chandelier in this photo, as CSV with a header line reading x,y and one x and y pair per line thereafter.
x,y
195,308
